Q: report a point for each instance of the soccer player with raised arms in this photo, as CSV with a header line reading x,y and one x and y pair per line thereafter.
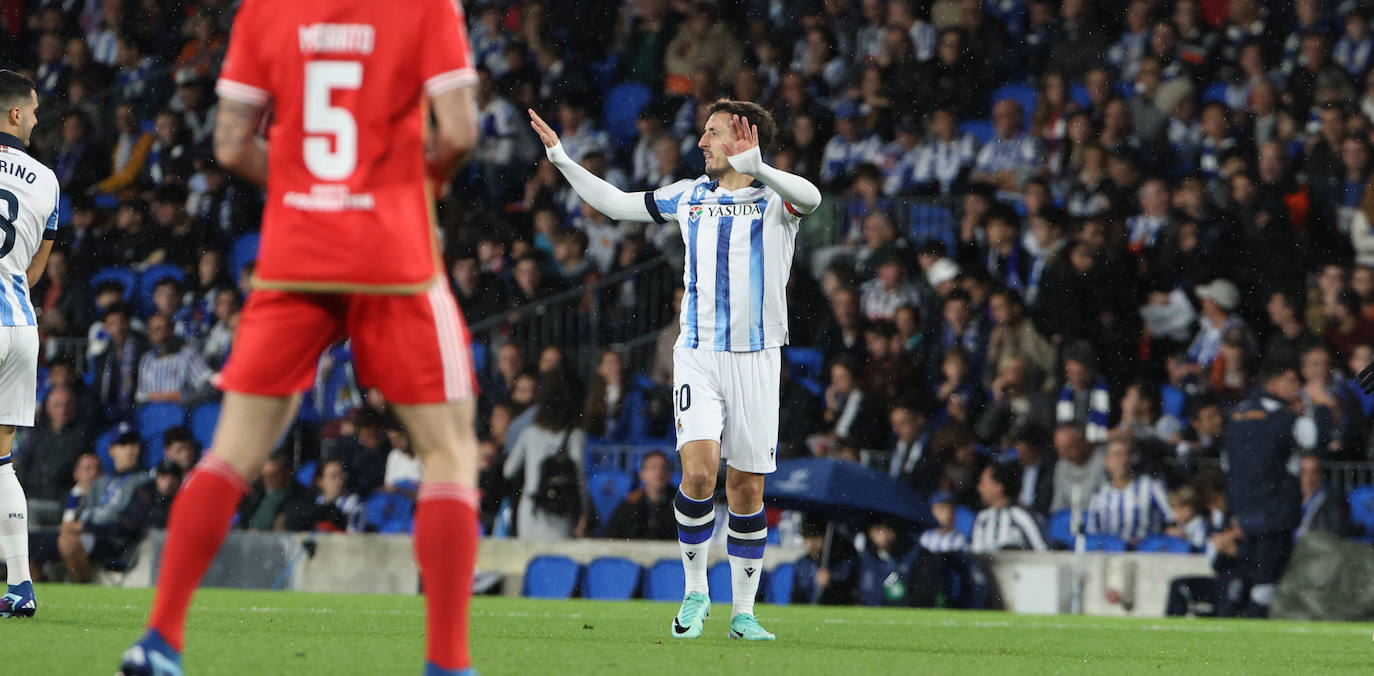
x,y
28,224
739,223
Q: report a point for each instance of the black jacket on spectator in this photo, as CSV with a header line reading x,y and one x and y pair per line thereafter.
x,y
799,415
365,467
844,576
639,518
47,458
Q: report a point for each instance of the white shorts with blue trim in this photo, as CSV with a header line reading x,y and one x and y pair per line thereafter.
x,y
730,398
18,374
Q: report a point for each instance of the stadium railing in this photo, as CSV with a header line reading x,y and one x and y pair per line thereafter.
x,y
920,219
624,311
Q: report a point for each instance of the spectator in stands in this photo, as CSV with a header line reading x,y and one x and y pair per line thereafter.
x,y
217,342
528,280
1289,336
1003,524
1189,523
962,328
227,207
138,80
116,365
1346,325
547,460
133,244
170,371
62,298
850,413
49,451
887,566
156,495
107,524
951,80
1013,335
1014,405
364,455
333,509
890,289
1321,511
181,447
1084,401
914,458
402,467
702,42
1013,156
80,161
1080,466
275,494
842,333
179,239
573,266
820,580
646,513
961,463
480,294
130,155
1031,445
170,152
850,147
1127,506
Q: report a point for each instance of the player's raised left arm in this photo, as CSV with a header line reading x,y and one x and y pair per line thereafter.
x,y
238,148
746,158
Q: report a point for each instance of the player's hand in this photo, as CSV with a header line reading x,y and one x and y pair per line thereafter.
x,y
746,136
542,128
1367,379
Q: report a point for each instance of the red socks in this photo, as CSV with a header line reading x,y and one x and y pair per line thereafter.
x,y
196,528
446,551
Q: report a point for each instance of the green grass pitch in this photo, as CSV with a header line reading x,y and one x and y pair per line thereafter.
x,y
83,630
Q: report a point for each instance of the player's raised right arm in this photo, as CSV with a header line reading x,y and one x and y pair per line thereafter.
x,y
604,197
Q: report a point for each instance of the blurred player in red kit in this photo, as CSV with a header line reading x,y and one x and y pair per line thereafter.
x,y
348,250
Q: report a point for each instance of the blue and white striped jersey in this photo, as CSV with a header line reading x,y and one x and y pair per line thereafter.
x,y
1137,511
28,215
739,255
938,541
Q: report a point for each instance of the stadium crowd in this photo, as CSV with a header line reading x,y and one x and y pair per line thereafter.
x,y
1070,251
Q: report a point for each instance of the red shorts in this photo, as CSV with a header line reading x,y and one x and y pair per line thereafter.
x,y
414,348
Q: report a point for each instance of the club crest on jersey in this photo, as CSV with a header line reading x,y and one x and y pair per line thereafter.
x,y
694,211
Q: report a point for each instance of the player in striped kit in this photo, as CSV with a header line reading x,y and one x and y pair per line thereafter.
x,y
1129,507
28,224
739,223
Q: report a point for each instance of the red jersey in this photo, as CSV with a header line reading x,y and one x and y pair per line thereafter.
x,y
348,204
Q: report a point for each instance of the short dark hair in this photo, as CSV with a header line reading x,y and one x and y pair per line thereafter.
x,y
1008,475
15,89
756,114
179,434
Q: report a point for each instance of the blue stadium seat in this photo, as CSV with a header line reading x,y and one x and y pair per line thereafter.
x,y
718,580
620,114
245,250
1078,93
1165,544
1214,92
980,130
963,520
306,474
153,420
610,578
203,421
480,353
1021,93
665,581
1061,523
1173,401
932,222
1103,543
388,512
1362,508
778,584
124,276
812,385
551,577
102,447
150,278
607,488
804,362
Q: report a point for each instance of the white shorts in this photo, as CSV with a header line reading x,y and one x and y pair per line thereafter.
x,y
18,374
730,398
